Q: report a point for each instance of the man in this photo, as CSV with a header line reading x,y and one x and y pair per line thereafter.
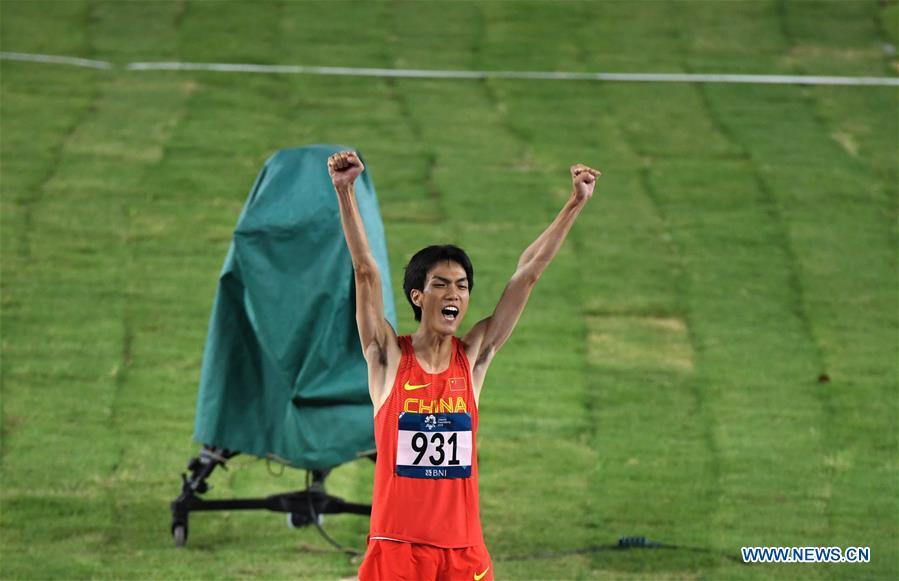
x,y
425,389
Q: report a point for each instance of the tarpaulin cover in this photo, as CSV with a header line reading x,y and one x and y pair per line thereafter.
x,y
283,373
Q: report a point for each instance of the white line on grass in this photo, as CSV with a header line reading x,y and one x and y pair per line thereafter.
x,y
442,74
56,60
555,76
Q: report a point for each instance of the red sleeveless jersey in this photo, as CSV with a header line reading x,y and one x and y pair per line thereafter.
x,y
426,475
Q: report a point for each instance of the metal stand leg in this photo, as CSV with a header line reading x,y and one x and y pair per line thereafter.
x,y
304,508
201,468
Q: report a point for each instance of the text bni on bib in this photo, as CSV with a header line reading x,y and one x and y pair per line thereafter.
x,y
434,445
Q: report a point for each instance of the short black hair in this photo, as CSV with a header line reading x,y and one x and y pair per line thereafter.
x,y
421,263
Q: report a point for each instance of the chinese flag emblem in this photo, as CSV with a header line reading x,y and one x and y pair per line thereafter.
x,y
457,384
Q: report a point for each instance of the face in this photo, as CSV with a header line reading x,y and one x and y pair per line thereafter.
x,y
446,287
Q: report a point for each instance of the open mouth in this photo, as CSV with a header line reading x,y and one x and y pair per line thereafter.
x,y
450,313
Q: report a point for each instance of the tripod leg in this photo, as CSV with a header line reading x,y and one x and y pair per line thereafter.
x,y
201,468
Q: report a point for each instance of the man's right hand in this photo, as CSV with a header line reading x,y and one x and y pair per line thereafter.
x,y
583,180
344,168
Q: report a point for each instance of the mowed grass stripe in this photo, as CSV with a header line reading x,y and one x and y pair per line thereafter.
x,y
673,198
132,145
64,91
574,128
194,197
837,36
824,150
848,274
642,366
850,263
779,233
114,147
859,163
31,150
860,460
408,192
68,346
44,380
657,393
66,33
800,345
560,135
658,430
552,389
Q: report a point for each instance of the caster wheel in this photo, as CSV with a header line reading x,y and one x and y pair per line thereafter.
x,y
179,534
298,520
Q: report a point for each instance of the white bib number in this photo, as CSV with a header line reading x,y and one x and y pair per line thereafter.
x,y
434,445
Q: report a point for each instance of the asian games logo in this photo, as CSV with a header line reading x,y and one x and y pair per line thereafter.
x,y
430,422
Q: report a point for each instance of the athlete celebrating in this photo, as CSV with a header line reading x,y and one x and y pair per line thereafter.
x,y
425,387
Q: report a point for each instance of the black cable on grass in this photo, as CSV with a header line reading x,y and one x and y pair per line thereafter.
x,y
278,460
318,525
623,544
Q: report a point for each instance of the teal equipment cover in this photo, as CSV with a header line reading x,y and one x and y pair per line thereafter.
x,y
283,373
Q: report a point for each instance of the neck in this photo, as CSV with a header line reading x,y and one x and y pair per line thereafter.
x,y
433,350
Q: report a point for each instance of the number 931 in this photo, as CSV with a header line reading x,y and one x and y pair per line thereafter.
x,y
421,444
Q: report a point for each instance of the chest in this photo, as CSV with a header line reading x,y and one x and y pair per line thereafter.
x,y
448,392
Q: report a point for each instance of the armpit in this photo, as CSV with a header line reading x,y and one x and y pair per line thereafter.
x,y
485,355
376,353
382,353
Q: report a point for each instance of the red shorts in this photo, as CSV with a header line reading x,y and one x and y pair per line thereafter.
x,y
395,561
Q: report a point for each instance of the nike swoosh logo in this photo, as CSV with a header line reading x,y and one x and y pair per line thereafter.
x,y
408,387
481,576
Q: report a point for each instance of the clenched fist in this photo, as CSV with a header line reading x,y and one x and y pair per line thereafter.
x,y
344,167
583,180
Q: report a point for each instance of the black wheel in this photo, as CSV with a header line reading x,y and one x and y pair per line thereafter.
x,y
179,534
298,520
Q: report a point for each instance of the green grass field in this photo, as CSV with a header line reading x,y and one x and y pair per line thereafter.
x,y
664,380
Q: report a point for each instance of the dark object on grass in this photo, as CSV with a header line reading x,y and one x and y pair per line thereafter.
x,y
628,542
303,508
823,378
623,544
283,374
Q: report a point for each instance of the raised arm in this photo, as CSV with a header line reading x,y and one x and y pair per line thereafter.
x,y
488,335
374,331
